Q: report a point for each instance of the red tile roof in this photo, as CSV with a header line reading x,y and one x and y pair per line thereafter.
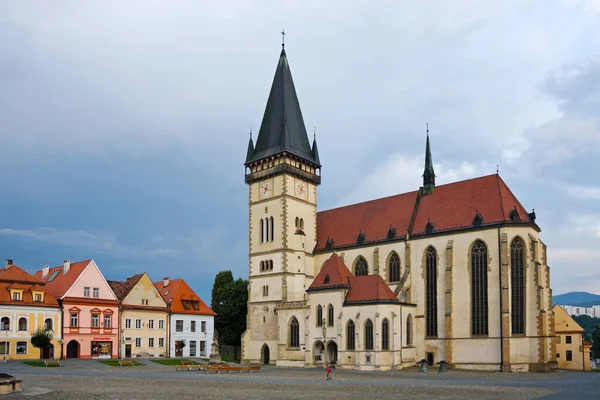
x,y
361,289
369,289
451,206
62,282
373,218
16,278
334,274
178,290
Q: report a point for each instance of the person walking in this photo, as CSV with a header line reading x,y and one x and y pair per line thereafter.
x,y
328,372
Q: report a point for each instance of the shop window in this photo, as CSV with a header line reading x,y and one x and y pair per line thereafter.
x,y
101,349
4,347
21,347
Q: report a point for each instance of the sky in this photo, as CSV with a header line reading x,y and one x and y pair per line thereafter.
x,y
124,125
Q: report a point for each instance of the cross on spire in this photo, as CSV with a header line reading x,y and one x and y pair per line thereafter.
x,y
282,38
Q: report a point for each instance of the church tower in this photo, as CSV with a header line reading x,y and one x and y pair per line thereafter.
x,y
282,172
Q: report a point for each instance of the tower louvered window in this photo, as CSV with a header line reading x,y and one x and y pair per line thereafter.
x,y
431,292
361,267
517,285
294,333
394,268
479,289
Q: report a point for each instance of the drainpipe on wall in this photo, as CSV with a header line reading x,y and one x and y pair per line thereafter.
x,y
62,328
500,287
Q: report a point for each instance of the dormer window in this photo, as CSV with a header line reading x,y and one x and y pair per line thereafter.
x,y
329,243
514,215
186,304
37,297
391,233
16,296
429,227
195,305
361,238
326,280
478,220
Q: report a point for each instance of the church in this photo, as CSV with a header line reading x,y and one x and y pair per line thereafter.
x,y
454,273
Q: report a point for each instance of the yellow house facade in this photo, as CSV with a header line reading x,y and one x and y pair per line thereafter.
x,y
25,306
143,318
572,351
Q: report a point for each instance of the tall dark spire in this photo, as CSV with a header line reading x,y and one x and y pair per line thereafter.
x,y
282,128
250,148
428,174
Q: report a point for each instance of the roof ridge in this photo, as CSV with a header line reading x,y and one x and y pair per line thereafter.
x,y
513,195
500,195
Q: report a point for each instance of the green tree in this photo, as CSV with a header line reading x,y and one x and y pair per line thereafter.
x,y
230,302
596,342
41,339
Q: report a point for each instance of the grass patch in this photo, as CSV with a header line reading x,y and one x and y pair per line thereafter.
x,y
115,363
38,364
227,358
174,362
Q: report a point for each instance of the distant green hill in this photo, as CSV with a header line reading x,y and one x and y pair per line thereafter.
x,y
582,299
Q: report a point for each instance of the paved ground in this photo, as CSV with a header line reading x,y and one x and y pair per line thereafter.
x,y
92,380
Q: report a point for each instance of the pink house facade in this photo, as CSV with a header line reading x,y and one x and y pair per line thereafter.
x,y
90,309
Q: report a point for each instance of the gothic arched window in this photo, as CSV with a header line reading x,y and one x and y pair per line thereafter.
x,y
431,292
394,268
409,333
262,230
385,335
517,285
361,267
319,315
350,336
272,229
368,335
479,289
294,333
330,315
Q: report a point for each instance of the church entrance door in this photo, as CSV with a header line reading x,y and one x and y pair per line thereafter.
x,y
266,354
332,351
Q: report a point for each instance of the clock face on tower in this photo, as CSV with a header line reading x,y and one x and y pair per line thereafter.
x,y
266,189
301,189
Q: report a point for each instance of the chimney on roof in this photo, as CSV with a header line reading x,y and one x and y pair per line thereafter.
x,y
45,271
165,281
8,263
66,265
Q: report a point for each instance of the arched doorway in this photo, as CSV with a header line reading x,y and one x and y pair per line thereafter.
x,y
318,350
265,354
332,351
73,349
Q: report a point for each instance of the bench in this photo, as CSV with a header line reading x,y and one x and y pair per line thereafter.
x,y
126,362
182,368
52,363
186,362
250,369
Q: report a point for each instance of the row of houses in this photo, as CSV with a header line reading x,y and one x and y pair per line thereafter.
x,y
91,317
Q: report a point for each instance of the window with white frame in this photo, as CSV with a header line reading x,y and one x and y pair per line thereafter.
x,y
138,324
161,342
161,324
193,326
21,347
179,325
107,320
74,320
150,324
128,323
203,326
95,320
96,292
138,342
151,342
86,292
